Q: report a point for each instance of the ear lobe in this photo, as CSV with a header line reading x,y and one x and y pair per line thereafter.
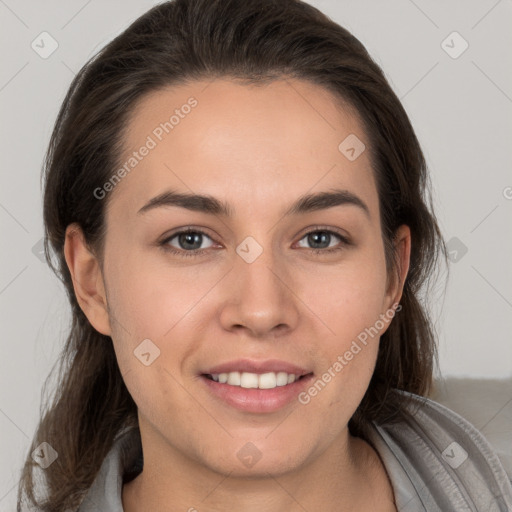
x,y
87,279
402,247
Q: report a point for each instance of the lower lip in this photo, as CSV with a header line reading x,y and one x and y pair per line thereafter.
x,y
257,400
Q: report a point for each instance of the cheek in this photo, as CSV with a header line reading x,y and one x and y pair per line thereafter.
x,y
348,297
171,308
150,298
152,312
349,302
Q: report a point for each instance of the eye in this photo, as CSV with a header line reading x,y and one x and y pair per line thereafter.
x,y
321,237
188,242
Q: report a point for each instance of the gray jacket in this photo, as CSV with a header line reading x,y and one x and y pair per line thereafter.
x,y
437,462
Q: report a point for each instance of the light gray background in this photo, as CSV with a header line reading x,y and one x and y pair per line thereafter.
x,y
461,110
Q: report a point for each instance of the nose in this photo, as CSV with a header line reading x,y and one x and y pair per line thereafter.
x,y
261,295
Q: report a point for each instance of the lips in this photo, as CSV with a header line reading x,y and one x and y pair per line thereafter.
x,y
256,386
251,366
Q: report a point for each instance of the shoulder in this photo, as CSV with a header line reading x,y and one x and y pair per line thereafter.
x,y
486,404
122,463
438,460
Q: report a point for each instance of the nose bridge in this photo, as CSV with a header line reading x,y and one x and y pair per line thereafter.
x,y
257,265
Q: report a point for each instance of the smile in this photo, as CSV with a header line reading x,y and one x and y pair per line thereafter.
x,y
250,380
256,386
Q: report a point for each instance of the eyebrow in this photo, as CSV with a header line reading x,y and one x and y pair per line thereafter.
x,y
213,206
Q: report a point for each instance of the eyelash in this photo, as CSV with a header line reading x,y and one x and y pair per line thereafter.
x,y
198,252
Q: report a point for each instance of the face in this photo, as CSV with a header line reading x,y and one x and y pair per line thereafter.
x,y
275,302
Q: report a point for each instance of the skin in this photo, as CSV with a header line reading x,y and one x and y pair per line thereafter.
x,y
258,148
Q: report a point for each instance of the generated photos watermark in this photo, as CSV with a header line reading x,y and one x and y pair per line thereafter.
x,y
158,133
343,360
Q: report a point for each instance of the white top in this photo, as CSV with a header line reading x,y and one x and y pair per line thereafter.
x,y
436,461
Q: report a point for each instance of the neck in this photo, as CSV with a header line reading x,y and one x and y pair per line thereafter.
x,y
346,477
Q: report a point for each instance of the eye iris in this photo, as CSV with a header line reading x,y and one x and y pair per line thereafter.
x,y
319,237
187,238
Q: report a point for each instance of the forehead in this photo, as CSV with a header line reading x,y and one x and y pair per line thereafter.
x,y
256,144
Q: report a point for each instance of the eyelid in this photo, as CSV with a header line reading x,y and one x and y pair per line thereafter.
x,y
319,227
184,229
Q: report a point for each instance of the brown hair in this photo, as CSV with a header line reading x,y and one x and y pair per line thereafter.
x,y
254,41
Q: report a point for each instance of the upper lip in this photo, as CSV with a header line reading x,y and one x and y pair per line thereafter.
x,y
253,366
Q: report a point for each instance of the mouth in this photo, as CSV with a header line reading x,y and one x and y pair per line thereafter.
x,y
248,380
257,387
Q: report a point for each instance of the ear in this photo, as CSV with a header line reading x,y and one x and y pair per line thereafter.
x,y
402,247
87,279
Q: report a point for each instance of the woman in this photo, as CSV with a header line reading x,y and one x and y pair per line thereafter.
x,y
282,360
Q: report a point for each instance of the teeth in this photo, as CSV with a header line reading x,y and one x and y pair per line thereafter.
x,y
249,380
267,380
283,378
233,378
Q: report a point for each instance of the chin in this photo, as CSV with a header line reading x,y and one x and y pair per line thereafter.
x,y
258,459
261,469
